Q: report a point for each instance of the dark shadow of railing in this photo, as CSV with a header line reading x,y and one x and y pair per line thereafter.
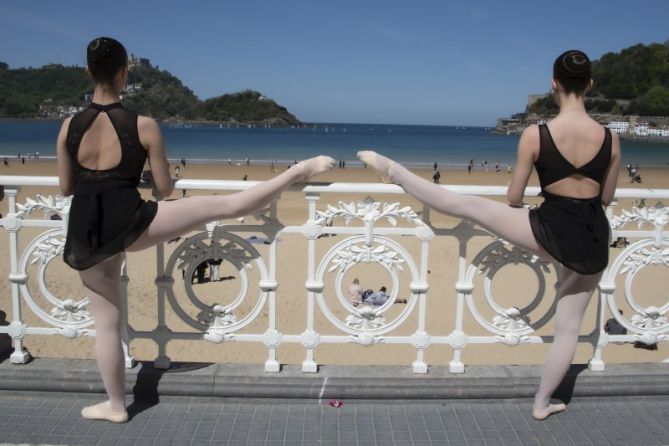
x,y
565,390
146,389
5,340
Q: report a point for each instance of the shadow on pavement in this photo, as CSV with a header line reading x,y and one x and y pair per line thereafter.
x,y
145,391
565,390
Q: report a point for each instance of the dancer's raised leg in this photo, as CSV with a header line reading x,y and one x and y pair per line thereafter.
x,y
511,224
174,218
101,283
574,293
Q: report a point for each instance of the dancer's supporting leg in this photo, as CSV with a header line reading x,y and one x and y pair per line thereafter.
x,y
102,286
573,296
513,225
175,218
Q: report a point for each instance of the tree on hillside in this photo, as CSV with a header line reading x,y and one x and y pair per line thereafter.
x,y
654,103
632,72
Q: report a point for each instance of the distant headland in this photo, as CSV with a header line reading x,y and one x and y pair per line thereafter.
x,y
55,91
630,95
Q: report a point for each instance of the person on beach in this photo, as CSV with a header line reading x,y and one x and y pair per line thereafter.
x,y
436,176
355,293
378,298
577,162
100,153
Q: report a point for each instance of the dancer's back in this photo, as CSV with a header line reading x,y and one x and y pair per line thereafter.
x,y
100,148
579,139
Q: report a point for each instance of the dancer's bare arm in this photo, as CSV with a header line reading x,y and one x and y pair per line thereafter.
x,y
528,147
152,140
65,173
611,176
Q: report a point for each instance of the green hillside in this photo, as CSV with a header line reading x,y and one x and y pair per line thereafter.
x,y
246,106
634,81
162,95
159,95
23,90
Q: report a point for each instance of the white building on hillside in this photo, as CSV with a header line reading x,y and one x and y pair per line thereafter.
x,y
619,126
641,129
658,132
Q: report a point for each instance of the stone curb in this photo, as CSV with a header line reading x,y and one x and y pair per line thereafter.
x,y
344,382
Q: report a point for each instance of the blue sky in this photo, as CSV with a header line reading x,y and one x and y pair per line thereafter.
x,y
405,62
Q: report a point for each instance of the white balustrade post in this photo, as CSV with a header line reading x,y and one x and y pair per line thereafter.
x,y
16,329
162,332
458,339
421,339
606,288
310,338
272,337
125,331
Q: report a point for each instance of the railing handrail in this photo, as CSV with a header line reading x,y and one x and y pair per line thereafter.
x,y
335,187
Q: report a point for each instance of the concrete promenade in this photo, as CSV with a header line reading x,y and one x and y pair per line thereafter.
x,y
219,404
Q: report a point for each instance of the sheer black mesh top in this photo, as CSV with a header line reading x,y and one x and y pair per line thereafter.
x,y
133,155
552,166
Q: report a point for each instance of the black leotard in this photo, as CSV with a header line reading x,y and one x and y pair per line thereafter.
x,y
573,230
552,166
107,213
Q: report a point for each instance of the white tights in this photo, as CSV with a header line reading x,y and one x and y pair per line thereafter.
x,y
102,286
174,218
513,225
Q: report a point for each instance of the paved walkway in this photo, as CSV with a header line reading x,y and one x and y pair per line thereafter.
x,y
53,418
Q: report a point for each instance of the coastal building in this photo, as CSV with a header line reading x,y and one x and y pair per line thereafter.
x,y
65,111
658,132
131,90
621,127
50,110
641,129
135,61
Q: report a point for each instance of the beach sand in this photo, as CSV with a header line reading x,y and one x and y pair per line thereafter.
x,y
513,285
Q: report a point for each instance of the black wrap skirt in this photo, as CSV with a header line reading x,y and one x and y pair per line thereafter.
x,y
105,219
575,231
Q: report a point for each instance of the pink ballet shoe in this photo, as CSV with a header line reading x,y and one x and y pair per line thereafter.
x,y
380,163
542,414
314,166
102,411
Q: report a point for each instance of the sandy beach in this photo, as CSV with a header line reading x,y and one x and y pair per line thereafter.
x,y
515,285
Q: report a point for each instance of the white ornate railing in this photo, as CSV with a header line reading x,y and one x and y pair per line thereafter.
x,y
372,235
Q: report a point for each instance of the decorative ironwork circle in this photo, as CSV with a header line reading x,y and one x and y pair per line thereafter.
x,y
388,254
491,260
42,250
630,262
198,252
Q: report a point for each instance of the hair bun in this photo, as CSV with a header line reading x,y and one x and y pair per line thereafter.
x,y
98,49
576,63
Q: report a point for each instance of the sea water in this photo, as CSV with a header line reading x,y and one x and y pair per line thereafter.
x,y
415,145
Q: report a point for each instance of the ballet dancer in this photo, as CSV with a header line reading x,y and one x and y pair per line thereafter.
x,y
101,153
577,162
